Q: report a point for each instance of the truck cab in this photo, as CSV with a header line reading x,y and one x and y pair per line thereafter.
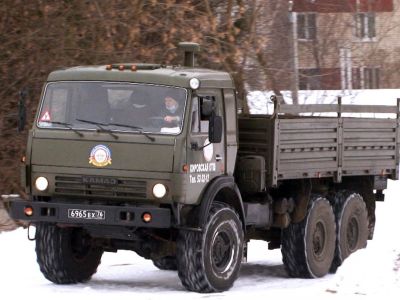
x,y
103,133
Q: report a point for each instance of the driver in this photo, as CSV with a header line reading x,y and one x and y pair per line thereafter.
x,y
171,116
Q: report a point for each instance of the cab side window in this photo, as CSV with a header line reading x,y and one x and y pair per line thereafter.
x,y
203,107
195,115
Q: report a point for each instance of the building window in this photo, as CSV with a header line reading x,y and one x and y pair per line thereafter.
x,y
366,78
365,26
306,26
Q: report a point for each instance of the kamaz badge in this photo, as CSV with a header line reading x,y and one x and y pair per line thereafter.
x,y
100,156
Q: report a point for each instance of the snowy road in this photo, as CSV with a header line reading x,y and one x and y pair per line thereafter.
x,y
372,273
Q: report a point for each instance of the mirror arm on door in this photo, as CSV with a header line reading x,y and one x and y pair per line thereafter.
x,y
194,146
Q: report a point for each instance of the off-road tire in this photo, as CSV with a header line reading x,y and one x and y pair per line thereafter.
x,y
352,230
65,255
166,263
209,261
308,247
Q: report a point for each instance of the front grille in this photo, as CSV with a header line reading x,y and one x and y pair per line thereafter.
x,y
124,188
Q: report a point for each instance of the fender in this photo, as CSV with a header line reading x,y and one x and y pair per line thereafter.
x,y
233,198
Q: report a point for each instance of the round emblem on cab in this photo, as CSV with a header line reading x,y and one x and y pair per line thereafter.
x,y
100,156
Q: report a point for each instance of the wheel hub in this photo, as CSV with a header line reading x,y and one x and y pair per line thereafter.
x,y
352,234
222,251
319,238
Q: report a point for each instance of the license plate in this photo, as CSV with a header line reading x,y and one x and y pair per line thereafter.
x,y
86,214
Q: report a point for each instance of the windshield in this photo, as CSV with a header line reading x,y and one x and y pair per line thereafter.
x,y
114,106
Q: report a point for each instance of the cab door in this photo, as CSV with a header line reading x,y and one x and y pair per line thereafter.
x,y
205,160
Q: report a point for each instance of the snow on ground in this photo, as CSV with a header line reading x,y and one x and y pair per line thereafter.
x,y
371,273
374,271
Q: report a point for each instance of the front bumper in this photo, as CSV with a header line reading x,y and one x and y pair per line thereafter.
x,y
66,213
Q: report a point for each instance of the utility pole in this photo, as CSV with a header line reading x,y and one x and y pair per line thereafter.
x,y
346,69
295,59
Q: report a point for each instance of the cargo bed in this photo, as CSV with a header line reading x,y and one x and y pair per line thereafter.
x,y
296,146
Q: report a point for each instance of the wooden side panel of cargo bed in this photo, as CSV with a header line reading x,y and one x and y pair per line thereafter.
x,y
316,147
369,146
307,148
335,147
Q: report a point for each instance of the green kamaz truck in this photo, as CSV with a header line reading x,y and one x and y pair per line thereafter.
x,y
157,160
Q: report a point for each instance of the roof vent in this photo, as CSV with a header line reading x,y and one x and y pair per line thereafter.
x,y
190,49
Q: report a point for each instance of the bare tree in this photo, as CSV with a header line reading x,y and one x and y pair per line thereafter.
x,y
250,39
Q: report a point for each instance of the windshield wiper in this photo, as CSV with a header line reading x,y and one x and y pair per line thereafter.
x,y
69,126
139,129
101,128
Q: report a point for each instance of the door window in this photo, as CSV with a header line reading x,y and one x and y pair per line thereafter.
x,y
202,109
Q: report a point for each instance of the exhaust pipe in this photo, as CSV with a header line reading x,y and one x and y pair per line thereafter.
x,y
189,49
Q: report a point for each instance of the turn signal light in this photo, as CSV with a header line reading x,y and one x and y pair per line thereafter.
x,y
23,159
109,67
28,210
146,217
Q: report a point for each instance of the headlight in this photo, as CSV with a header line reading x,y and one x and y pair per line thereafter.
x,y
41,184
159,190
194,83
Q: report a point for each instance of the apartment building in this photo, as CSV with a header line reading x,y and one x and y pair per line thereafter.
x,y
346,44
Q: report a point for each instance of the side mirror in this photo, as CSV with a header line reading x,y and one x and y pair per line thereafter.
x,y
22,110
207,108
215,129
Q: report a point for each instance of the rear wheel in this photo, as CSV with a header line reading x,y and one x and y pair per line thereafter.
x,y
209,261
66,255
352,225
308,247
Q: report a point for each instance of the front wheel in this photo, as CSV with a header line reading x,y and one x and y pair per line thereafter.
x,y
308,247
66,255
209,261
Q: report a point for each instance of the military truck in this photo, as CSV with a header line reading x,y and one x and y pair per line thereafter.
x,y
111,164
